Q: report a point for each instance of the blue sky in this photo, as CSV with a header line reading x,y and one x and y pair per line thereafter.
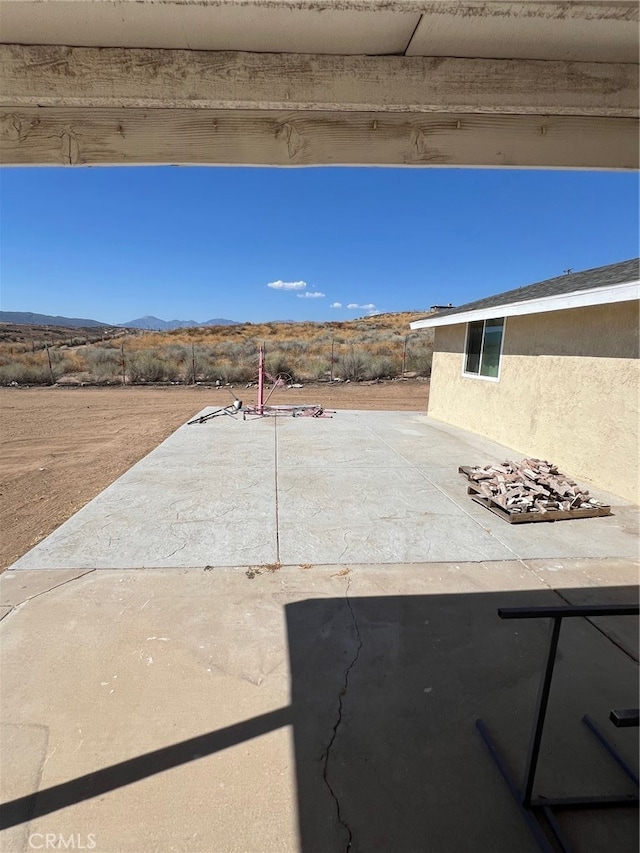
x,y
114,244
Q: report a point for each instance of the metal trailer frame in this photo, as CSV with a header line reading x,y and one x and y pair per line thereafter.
x,y
532,807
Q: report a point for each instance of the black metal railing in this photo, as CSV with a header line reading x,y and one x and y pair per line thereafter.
x,y
529,805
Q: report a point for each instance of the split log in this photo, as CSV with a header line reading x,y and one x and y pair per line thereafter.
x,y
531,485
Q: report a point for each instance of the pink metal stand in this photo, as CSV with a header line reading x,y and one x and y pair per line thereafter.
x,y
262,409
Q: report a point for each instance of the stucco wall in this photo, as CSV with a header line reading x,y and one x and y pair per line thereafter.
x,y
568,391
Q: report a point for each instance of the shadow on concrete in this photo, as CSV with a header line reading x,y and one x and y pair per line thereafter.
x,y
385,692
133,770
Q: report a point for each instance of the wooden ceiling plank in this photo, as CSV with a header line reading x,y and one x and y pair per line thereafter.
x,y
50,75
53,136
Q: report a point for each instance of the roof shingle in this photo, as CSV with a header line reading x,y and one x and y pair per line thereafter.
x,y
620,273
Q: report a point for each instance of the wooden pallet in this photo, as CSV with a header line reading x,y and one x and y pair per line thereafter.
x,y
466,470
528,517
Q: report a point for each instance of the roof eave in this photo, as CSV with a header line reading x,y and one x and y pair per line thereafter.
x,y
625,292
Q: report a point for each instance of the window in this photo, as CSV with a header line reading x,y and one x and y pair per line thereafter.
x,y
484,345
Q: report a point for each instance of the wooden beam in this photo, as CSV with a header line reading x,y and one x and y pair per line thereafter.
x,y
60,76
172,136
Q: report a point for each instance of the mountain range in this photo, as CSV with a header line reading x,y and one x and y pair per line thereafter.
x,y
148,323
155,324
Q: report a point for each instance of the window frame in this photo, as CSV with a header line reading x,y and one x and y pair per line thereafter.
x,y
465,354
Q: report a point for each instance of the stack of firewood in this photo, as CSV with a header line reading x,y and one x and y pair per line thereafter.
x,y
532,485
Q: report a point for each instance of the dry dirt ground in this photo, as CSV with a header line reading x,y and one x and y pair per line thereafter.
x,y
59,448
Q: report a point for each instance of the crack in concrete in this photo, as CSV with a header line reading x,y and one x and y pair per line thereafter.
x,y
334,733
179,548
344,551
15,607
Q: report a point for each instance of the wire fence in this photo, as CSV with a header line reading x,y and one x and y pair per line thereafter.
x,y
123,361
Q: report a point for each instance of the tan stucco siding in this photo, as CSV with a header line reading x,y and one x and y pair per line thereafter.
x,y
568,391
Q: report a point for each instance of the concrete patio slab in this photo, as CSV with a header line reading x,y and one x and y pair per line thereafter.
x,y
447,537
296,710
597,582
17,587
594,538
326,698
361,487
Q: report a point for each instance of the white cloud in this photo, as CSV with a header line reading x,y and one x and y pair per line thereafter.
x,y
353,305
336,305
368,307
287,285
310,294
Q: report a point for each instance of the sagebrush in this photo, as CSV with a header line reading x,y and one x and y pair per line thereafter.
x,y
367,349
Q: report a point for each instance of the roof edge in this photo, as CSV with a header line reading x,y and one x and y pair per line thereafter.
x,y
625,292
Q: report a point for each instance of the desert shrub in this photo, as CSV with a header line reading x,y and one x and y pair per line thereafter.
x,y
366,348
296,348
64,366
420,360
369,337
178,353
64,362
33,367
208,371
324,339
382,367
134,367
98,356
240,350
194,368
149,366
280,362
388,348
105,364
172,370
25,374
112,343
314,369
353,365
195,364
232,372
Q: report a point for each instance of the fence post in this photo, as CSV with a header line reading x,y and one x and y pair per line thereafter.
x,y
46,346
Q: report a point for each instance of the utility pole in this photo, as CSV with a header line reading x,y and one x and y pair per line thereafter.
x,y
193,360
331,374
124,375
404,355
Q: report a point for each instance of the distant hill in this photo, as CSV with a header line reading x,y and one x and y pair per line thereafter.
x,y
155,324
220,321
149,323
27,319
